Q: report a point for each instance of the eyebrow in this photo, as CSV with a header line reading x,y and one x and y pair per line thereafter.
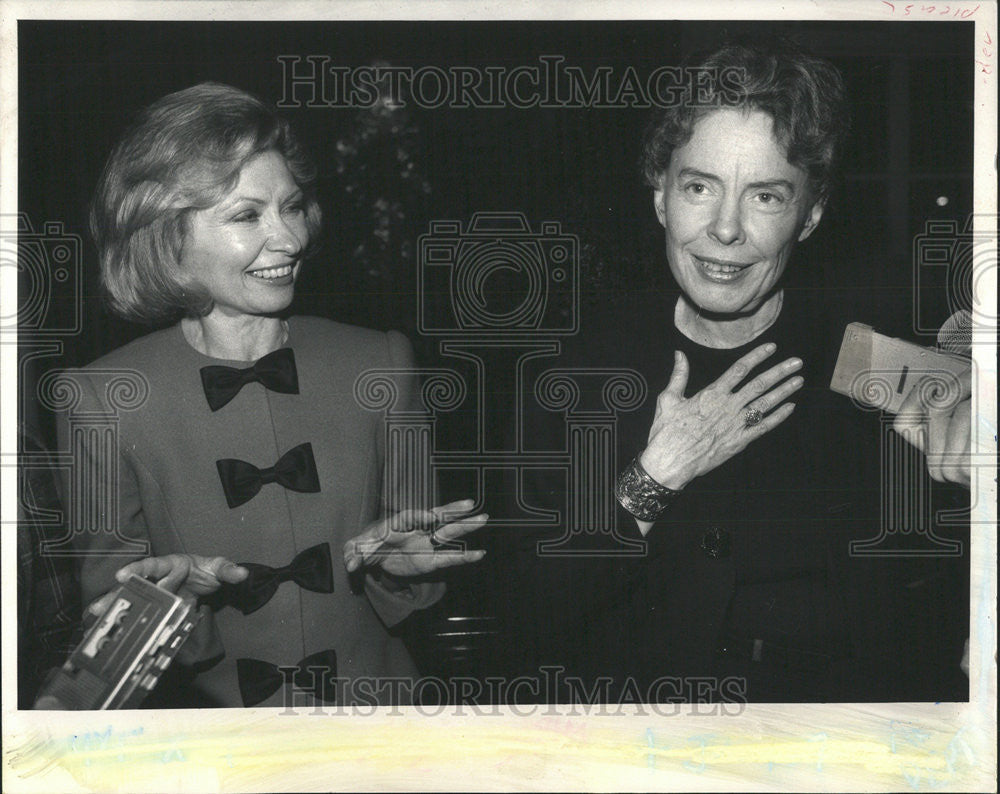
x,y
295,194
784,183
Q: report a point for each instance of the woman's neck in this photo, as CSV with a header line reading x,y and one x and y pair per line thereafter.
x,y
725,332
237,338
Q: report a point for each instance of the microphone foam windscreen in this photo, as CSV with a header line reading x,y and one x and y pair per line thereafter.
x,y
955,335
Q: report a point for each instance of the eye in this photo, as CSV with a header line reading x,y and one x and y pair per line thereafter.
x,y
247,216
696,188
771,199
295,208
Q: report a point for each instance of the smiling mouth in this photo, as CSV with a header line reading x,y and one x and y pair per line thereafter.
x,y
721,270
271,273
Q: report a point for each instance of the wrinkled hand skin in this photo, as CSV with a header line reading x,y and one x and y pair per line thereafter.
x,y
692,436
187,575
416,542
939,424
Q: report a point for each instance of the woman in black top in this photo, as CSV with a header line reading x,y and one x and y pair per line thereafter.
x,y
748,479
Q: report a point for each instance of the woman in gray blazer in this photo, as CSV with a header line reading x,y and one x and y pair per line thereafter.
x,y
245,440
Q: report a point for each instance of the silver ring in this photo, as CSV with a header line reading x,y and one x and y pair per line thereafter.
x,y
437,543
751,417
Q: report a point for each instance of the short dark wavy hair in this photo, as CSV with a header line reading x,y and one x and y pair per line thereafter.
x,y
803,95
183,153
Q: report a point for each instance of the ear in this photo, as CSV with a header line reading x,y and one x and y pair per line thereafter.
x,y
661,212
812,219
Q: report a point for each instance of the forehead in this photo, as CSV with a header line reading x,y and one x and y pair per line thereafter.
x,y
266,168
735,139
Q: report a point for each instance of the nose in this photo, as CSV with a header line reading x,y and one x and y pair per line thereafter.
x,y
727,223
284,238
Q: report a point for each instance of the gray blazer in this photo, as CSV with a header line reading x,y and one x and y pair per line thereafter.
x,y
170,494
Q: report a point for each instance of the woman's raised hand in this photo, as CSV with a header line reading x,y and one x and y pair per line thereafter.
x,y
692,436
416,542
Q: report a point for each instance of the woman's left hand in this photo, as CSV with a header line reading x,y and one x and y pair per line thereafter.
x,y
416,542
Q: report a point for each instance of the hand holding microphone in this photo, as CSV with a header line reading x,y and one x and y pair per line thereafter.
x,y
942,428
929,390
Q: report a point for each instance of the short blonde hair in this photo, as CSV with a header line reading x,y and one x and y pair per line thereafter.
x,y
183,153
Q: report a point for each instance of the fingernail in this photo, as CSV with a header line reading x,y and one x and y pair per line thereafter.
x,y
797,381
770,347
795,362
484,516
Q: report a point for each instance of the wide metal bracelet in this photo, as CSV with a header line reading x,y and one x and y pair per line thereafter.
x,y
640,494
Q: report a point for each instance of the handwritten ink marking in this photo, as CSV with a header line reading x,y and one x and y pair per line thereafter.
x,y
912,735
702,742
821,738
911,9
986,67
651,742
173,754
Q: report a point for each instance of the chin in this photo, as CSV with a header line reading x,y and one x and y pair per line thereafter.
x,y
273,306
723,304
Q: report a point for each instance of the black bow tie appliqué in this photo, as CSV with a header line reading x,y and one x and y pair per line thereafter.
x,y
315,674
275,371
311,569
295,470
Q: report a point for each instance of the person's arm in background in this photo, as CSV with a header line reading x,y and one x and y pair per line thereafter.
x,y
48,588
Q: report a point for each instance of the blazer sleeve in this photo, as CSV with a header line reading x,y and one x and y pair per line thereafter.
x,y
104,544
392,599
96,454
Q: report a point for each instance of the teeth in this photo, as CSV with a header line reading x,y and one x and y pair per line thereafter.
x,y
716,269
272,272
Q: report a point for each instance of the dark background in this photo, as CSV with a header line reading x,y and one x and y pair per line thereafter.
x,y
384,178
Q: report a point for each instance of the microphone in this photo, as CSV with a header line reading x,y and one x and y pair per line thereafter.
x,y
955,335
